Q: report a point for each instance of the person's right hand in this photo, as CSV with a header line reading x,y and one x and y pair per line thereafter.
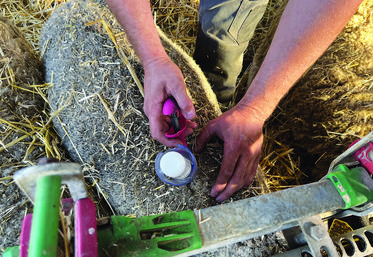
x,y
163,79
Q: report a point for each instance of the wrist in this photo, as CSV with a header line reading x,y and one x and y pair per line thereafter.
x,y
259,103
253,112
154,60
264,94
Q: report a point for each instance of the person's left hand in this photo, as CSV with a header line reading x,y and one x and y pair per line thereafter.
x,y
241,130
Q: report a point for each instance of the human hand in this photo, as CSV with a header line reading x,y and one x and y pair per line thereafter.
x,y
163,79
241,130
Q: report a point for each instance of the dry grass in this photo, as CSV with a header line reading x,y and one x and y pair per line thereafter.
x,y
179,21
37,129
29,16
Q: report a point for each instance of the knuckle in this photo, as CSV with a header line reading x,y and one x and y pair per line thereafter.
x,y
232,147
232,189
155,134
226,173
238,181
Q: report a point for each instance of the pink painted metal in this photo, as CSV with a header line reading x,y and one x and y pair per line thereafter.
x,y
85,229
25,235
365,156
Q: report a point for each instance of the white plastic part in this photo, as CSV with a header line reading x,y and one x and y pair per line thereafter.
x,y
174,165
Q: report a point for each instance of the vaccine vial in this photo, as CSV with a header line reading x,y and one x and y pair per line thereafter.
x,y
177,166
174,165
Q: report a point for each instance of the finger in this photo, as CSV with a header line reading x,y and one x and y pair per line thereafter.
x,y
191,124
190,128
157,121
188,132
158,128
153,105
169,142
204,137
252,172
230,160
167,119
185,103
236,182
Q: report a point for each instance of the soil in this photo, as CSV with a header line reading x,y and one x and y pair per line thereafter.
x,y
103,127
18,66
102,124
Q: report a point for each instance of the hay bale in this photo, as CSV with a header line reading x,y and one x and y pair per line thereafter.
x,y
100,117
328,108
102,124
19,109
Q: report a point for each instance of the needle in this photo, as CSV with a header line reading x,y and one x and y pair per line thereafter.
x,y
175,123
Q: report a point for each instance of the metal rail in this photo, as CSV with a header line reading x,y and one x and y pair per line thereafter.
x,y
358,243
237,221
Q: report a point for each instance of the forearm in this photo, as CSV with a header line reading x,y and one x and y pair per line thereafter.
x,y
305,31
136,19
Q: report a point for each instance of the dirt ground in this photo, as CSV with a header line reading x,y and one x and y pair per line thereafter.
x,y
117,151
102,124
16,105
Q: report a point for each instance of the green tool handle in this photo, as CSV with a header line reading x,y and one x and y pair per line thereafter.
x,y
44,228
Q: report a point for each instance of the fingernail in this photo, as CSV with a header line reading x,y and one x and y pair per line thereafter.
x,y
214,193
189,115
219,200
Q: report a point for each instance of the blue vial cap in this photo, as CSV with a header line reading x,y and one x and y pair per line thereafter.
x,y
185,152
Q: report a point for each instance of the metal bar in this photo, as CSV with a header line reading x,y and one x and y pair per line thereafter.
x,y
355,242
317,236
237,221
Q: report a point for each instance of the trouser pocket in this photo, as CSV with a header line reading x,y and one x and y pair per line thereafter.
x,y
230,22
224,32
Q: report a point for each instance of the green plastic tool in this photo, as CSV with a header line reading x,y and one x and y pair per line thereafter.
x,y
11,251
352,185
158,235
44,229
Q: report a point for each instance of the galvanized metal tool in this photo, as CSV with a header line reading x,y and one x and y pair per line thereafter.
x,y
347,190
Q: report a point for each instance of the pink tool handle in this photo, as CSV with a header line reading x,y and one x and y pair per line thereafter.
x,y
85,229
180,134
25,235
365,156
170,106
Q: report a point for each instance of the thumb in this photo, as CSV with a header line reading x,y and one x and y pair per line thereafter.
x,y
185,104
